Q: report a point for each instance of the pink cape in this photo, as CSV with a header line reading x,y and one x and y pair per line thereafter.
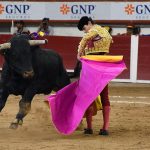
x,y
70,103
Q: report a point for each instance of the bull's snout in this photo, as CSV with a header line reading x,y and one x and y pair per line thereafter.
x,y
28,74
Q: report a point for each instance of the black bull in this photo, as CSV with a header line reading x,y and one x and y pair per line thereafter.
x,y
29,70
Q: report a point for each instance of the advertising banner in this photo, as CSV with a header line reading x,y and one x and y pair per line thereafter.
x,y
21,10
62,11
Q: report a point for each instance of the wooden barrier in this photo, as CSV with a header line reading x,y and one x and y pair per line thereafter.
x,y
144,58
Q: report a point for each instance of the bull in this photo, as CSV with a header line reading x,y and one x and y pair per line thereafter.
x,y
29,70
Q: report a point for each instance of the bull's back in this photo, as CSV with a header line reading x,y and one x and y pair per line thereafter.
x,y
49,66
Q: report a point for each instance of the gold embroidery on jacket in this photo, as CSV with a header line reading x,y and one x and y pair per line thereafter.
x,y
101,43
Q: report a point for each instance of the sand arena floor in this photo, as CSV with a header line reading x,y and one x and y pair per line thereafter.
x,y
129,124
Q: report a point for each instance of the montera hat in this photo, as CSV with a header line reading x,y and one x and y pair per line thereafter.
x,y
83,21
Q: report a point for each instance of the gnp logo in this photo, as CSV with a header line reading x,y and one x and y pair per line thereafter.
x,y
77,9
1,8
14,9
64,9
137,9
129,9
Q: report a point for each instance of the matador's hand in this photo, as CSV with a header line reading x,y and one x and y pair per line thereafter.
x,y
79,55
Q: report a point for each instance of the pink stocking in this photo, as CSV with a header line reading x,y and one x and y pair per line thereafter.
x,y
106,112
89,114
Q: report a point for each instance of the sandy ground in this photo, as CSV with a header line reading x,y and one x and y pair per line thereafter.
x,y
129,124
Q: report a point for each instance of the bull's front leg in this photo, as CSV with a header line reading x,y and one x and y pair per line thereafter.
x,y
4,89
24,107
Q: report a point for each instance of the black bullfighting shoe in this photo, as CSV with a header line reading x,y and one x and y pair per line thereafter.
x,y
103,132
88,131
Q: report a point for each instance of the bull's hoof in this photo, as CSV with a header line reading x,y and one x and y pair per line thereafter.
x,y
15,124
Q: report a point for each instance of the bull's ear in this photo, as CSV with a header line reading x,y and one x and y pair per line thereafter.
x,y
3,51
38,42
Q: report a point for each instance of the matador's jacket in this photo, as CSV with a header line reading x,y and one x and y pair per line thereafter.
x,y
96,40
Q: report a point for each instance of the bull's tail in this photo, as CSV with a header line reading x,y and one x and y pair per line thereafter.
x,y
77,70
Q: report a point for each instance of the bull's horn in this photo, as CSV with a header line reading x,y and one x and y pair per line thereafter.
x,y
37,42
5,46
